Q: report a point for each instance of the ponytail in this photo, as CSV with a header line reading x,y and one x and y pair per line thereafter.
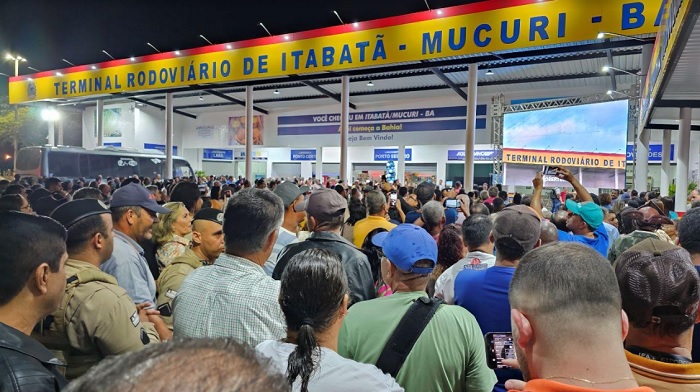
x,y
301,360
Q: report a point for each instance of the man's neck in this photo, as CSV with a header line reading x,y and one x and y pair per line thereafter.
x,y
599,364
198,251
257,258
586,233
290,224
484,248
19,316
506,263
696,259
335,231
678,345
124,229
88,257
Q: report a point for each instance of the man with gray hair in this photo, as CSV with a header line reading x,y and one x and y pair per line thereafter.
x,y
433,216
234,297
377,208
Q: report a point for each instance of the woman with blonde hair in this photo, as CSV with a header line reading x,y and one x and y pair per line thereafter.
x,y
169,233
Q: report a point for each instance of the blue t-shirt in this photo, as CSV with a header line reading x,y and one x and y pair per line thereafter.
x,y
599,243
484,293
411,216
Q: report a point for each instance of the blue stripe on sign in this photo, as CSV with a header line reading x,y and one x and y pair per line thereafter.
x,y
414,126
385,115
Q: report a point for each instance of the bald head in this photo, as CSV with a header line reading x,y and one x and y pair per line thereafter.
x,y
559,220
548,233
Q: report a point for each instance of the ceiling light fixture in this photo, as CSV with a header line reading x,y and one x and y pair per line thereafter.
x,y
370,84
602,34
276,92
59,74
177,53
93,67
489,72
355,24
229,47
606,68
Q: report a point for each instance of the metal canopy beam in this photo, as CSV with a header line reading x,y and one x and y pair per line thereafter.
x,y
327,93
678,103
161,107
450,83
673,127
613,80
234,100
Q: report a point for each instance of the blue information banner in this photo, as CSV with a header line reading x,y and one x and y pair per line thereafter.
x,y
159,147
479,155
113,144
217,155
403,120
303,155
655,152
391,154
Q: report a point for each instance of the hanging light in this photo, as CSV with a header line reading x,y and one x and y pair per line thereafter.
x,y
370,84
489,72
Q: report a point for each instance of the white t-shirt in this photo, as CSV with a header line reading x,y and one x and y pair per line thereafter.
x,y
332,373
445,284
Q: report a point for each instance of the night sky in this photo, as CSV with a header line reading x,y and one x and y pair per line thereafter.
x,y
46,31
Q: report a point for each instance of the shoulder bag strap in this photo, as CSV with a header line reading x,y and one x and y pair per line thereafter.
x,y
406,334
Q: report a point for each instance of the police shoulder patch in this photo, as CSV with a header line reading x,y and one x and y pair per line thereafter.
x,y
135,319
171,294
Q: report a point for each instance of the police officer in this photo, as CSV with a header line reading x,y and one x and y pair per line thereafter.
x,y
207,245
96,317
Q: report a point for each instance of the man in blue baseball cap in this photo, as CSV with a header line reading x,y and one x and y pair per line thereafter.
x,y
457,360
585,221
134,211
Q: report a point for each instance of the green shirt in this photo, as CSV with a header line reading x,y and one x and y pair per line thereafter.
x,y
448,356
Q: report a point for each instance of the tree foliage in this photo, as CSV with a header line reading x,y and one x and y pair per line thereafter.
x,y
28,125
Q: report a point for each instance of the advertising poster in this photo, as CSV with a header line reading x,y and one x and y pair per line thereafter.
x,y
236,130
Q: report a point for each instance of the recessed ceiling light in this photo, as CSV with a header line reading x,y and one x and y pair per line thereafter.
x,y
370,84
276,92
489,72
201,98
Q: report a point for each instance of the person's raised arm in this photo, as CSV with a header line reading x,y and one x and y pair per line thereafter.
x,y
536,202
581,192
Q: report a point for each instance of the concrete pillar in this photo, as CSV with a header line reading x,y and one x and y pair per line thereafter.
x,y
51,139
249,133
319,163
471,125
641,168
682,159
401,166
169,135
344,125
60,131
666,163
99,119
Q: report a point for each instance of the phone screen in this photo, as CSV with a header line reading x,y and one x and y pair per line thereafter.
x,y
392,197
499,346
549,170
452,203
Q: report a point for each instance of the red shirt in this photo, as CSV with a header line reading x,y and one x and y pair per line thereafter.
x,y
541,385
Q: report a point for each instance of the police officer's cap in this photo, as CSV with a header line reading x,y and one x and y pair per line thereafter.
x,y
70,213
210,214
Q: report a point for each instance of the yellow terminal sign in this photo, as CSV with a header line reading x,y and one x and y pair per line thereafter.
x,y
490,26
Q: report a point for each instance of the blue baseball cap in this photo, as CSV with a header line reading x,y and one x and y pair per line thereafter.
x,y
588,211
407,244
133,195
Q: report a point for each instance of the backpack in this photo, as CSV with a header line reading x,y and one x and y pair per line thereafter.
x,y
374,255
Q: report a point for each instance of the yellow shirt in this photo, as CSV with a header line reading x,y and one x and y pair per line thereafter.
x,y
364,226
664,377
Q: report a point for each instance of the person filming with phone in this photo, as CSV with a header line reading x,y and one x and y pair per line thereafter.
x,y
585,221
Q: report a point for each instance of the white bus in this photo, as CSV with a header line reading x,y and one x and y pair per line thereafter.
x,y
76,162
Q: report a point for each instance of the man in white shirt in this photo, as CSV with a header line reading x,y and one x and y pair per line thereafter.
x,y
476,233
291,196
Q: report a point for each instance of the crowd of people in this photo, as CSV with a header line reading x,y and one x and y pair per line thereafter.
x,y
218,283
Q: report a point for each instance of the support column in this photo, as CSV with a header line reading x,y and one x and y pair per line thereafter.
x,y
641,169
344,124
471,125
249,133
682,159
51,139
99,120
666,163
60,131
401,166
319,164
169,135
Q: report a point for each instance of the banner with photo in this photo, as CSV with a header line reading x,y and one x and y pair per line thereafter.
x,y
236,130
